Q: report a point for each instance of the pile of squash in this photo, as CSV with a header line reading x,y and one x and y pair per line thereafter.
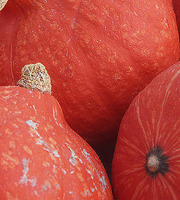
x,y
89,99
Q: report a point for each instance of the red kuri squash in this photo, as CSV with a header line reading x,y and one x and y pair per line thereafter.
x,y
99,54
41,157
146,163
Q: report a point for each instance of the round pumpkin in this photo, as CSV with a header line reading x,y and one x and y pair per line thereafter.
x,y
41,157
99,54
147,155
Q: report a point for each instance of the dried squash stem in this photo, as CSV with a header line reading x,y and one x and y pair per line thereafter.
x,y
35,77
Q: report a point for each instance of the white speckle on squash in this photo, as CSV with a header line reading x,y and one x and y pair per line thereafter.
x,y
73,157
46,186
40,141
27,149
34,109
24,179
85,192
90,172
46,149
101,178
55,113
94,186
87,155
55,153
64,171
85,152
103,181
32,124
92,189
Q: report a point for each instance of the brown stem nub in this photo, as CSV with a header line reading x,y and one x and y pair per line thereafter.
x,y
2,4
35,77
156,162
153,163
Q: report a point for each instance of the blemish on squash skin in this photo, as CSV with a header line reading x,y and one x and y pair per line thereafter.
x,y
46,164
52,140
85,152
87,192
57,186
32,124
92,190
73,157
53,157
100,176
27,149
40,141
95,186
103,181
46,186
17,112
80,176
55,153
55,171
72,172
64,171
8,161
24,179
15,125
70,192
34,109
6,109
90,173
35,192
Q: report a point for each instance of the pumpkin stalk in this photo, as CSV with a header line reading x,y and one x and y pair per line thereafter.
x,y
156,162
35,77
153,163
2,4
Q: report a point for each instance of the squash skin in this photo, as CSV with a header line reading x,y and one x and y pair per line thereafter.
x,y
152,119
99,54
176,5
41,157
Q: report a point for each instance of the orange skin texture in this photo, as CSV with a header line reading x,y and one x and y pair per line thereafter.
x,y
41,157
152,119
99,54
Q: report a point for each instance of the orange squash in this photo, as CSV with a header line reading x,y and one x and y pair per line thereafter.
x,y
99,54
41,157
147,154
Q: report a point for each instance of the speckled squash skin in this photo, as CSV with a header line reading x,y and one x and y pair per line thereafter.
x,y
41,157
98,53
151,124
